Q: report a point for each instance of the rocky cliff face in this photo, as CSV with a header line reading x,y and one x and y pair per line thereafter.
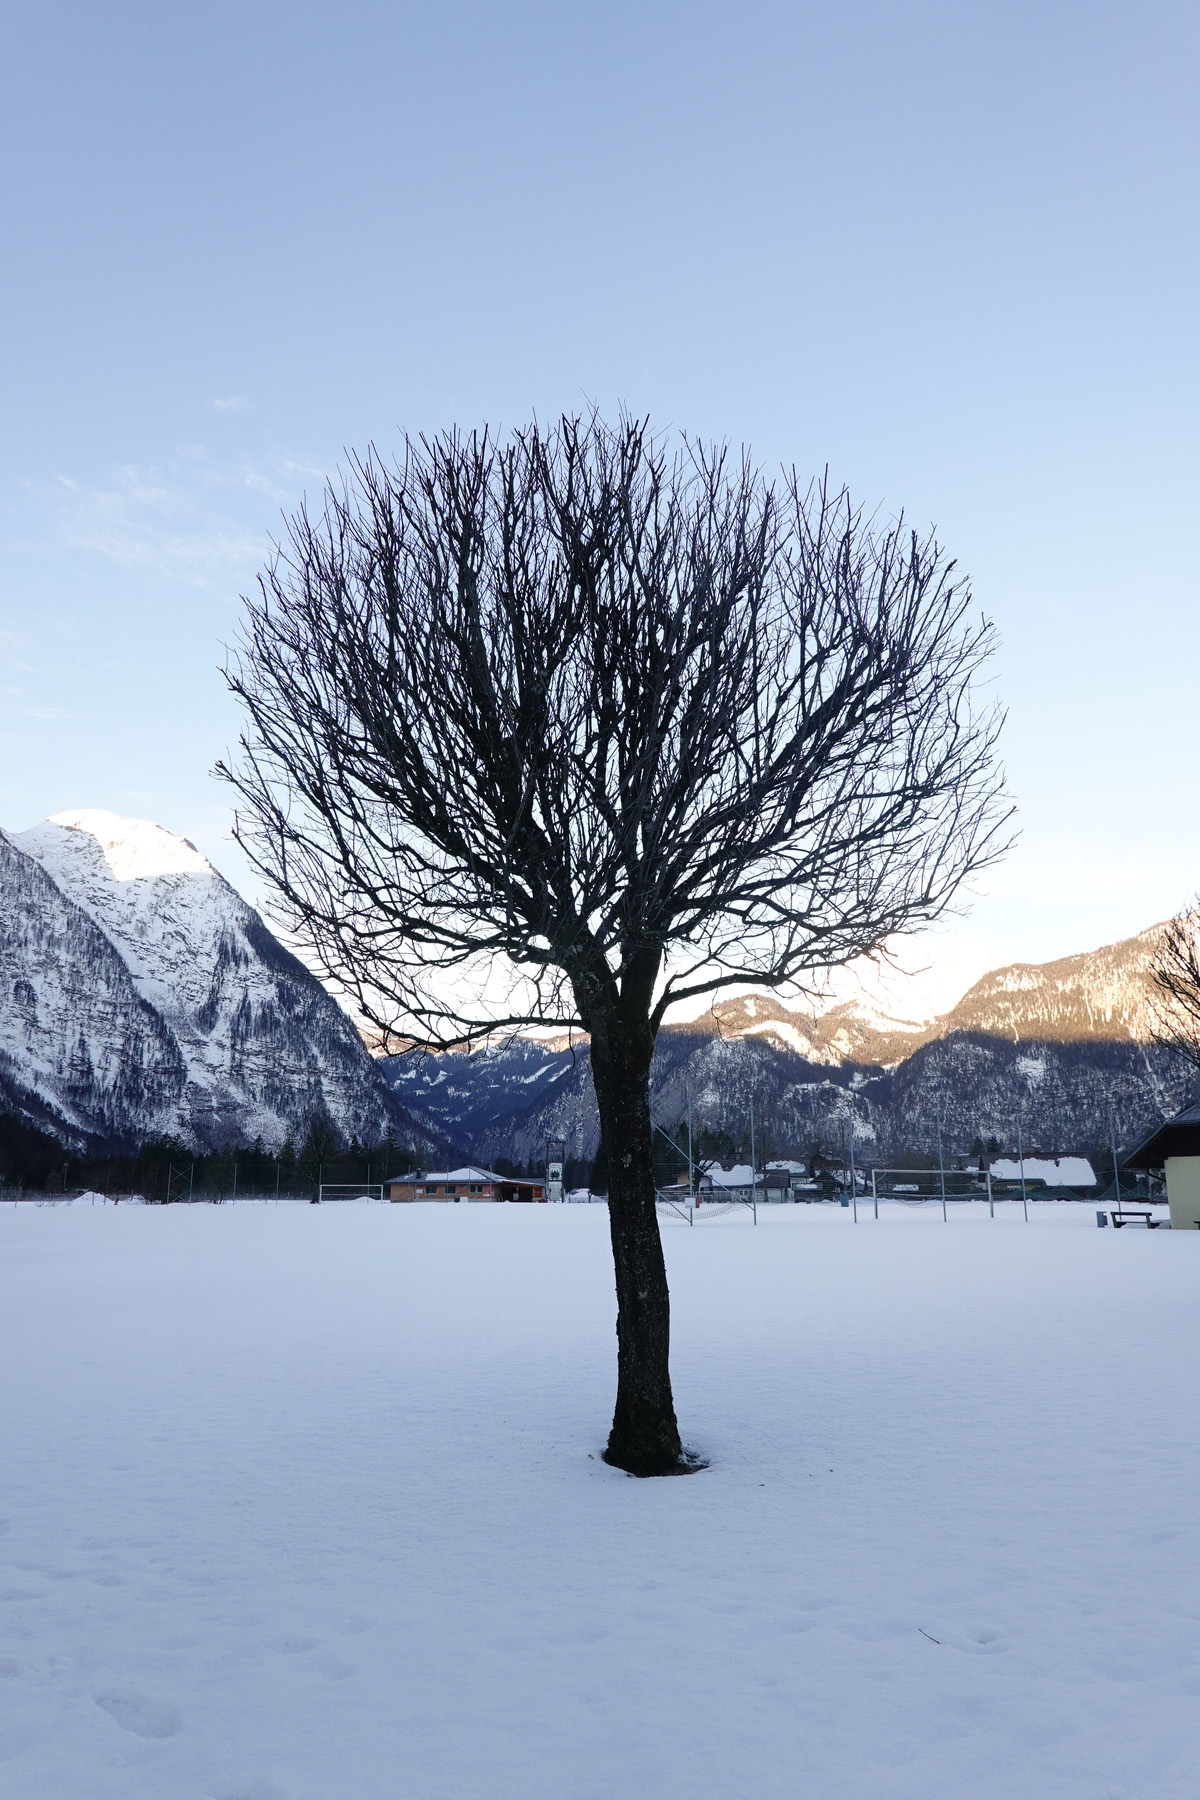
x,y
139,994
1064,1046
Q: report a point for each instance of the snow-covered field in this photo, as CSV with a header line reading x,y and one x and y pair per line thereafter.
x,y
307,1502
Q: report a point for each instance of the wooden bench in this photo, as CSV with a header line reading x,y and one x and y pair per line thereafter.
x,y
1134,1215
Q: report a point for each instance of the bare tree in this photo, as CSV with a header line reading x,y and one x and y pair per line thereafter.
x,y
628,721
1175,975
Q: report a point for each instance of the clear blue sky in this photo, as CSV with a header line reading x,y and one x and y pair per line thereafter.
x,y
948,249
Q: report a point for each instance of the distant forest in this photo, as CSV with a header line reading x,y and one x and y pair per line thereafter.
x,y
164,1169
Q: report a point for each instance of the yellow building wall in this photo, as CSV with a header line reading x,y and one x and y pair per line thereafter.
x,y
1183,1192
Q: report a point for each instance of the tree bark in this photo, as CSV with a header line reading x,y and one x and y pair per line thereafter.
x,y
645,1436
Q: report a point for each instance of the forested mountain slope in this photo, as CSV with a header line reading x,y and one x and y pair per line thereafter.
x,y
1064,1046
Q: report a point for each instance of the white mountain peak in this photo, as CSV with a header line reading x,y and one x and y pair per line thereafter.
x,y
133,849
140,993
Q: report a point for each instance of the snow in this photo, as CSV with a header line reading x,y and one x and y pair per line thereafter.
x,y
739,1176
468,1173
156,898
1057,1171
786,1033
250,1043
134,849
307,1502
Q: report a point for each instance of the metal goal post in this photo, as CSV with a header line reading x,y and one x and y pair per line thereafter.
x,y
914,1187
350,1190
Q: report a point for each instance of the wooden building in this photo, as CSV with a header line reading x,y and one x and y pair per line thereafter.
x,y
464,1184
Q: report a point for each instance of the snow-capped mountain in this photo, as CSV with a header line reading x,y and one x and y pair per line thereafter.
x,y
1065,1046
1103,994
140,994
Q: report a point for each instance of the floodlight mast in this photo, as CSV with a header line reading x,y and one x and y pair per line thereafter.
x,y
691,1164
941,1166
556,1156
853,1175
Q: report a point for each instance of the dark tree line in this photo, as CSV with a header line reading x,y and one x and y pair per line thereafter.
x,y
164,1168
573,726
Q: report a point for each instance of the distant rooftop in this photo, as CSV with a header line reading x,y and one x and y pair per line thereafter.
x,y
469,1173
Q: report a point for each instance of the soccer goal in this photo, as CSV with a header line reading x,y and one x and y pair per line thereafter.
x,y
350,1190
945,1187
691,1207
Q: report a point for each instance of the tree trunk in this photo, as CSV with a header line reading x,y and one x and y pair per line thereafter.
x,y
645,1436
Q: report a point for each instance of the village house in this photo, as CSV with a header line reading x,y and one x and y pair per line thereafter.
x,y
464,1184
1175,1149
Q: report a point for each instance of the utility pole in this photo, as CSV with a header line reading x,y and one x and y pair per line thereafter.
x,y
691,1165
941,1166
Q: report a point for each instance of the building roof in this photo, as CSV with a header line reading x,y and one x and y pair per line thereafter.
x,y
741,1175
1055,1171
1179,1136
467,1174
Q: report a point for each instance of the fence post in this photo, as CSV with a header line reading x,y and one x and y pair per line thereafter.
x,y
874,1193
991,1201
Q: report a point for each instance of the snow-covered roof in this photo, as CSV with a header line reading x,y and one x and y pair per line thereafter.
x,y
740,1175
469,1173
1055,1171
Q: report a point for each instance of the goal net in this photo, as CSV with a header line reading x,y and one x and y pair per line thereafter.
x,y
915,1186
350,1190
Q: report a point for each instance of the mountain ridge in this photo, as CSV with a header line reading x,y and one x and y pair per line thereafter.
x,y
141,995
1063,1046
144,996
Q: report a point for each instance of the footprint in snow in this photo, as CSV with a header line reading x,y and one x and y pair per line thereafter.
x,y
134,1712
